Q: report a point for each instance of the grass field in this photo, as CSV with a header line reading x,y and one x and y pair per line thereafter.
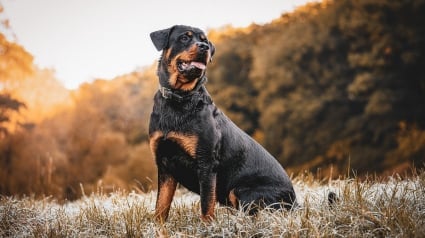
x,y
390,207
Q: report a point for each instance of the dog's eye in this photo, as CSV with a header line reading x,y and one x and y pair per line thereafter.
x,y
184,38
204,39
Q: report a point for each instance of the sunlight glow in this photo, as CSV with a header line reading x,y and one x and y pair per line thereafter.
x,y
85,39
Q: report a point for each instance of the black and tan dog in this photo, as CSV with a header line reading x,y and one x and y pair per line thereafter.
x,y
196,145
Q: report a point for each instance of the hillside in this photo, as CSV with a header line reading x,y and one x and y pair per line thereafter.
x,y
331,86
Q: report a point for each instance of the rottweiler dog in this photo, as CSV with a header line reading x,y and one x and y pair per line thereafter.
x,y
196,145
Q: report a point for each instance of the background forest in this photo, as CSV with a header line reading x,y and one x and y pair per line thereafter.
x,y
331,87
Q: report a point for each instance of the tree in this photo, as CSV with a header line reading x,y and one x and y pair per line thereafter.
x,y
15,65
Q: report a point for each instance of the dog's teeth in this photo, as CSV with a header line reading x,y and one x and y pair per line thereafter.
x,y
191,65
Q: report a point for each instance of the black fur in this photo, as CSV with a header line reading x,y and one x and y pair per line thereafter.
x,y
196,145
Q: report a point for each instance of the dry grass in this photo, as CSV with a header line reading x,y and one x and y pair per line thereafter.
x,y
373,208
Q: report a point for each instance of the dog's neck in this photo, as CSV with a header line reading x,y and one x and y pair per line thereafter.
x,y
178,95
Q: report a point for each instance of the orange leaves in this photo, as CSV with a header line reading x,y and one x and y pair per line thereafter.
x,y
15,62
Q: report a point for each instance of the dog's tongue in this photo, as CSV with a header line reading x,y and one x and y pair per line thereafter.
x,y
198,65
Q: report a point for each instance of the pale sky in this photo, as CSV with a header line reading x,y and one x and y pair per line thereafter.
x,y
87,39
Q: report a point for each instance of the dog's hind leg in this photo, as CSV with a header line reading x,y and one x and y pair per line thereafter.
x,y
253,199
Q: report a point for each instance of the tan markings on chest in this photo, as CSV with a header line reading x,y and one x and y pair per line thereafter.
x,y
187,142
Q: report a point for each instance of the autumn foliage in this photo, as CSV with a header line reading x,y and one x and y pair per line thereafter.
x,y
330,87
334,85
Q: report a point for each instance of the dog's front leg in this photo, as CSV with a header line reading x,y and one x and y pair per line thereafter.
x,y
166,189
207,184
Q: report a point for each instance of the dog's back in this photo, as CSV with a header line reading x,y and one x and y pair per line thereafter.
x,y
251,172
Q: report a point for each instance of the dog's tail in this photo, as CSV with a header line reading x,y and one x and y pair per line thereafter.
x,y
332,199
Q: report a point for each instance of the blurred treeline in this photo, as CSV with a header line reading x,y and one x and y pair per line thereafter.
x,y
93,137
332,86
63,143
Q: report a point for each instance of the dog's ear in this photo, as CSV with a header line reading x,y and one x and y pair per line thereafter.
x,y
160,38
212,49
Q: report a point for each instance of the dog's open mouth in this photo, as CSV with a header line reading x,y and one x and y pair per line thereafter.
x,y
191,70
184,66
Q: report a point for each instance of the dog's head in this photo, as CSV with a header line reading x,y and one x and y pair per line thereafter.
x,y
186,52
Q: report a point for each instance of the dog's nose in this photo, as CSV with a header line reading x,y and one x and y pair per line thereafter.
x,y
203,46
